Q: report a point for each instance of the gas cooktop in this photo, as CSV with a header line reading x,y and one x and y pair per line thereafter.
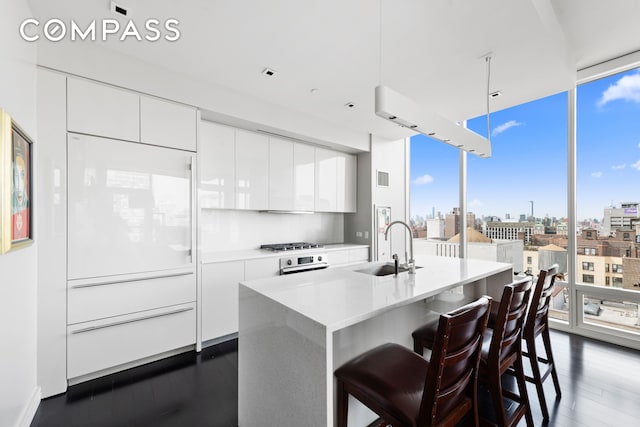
x,y
278,247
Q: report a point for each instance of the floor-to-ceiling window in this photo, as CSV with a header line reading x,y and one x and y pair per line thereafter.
x,y
434,190
519,195
608,203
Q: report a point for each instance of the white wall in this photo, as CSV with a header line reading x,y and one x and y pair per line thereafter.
x,y
225,230
392,157
19,392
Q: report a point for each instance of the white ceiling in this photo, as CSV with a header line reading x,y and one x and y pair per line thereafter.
x,y
432,51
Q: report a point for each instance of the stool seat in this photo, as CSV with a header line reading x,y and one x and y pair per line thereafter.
x,y
391,375
406,390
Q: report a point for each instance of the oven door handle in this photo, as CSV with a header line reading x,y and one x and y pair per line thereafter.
x,y
304,267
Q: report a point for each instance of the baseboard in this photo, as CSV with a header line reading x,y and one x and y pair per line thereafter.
x,y
30,410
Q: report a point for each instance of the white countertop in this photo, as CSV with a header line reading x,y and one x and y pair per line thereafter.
x,y
224,256
337,298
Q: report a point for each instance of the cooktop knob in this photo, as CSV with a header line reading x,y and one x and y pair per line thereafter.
x,y
288,262
319,257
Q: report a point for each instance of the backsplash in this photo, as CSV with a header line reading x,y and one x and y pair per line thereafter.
x,y
230,230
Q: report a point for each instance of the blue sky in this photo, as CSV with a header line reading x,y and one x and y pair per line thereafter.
x,y
529,156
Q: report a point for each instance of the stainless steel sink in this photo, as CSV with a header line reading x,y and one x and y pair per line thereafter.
x,y
383,269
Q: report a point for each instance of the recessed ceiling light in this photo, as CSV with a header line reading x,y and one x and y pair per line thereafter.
x,y
350,104
269,72
314,90
495,94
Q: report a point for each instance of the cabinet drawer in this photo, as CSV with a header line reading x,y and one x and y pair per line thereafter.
x,y
108,297
338,257
261,268
102,110
94,346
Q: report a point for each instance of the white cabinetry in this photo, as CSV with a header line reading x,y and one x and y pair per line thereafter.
x,y
217,158
325,182
104,343
167,124
261,268
304,177
220,298
335,184
102,110
346,173
252,170
281,174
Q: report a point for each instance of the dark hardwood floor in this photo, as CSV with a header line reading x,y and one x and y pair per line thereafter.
x,y
600,387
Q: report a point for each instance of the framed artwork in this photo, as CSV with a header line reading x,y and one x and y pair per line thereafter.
x,y
16,196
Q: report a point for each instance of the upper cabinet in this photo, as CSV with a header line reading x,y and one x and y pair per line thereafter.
x,y
326,181
97,109
281,174
335,181
304,177
240,169
102,110
346,165
252,170
217,158
167,124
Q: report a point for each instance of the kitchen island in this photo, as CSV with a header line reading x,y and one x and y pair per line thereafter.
x,y
295,330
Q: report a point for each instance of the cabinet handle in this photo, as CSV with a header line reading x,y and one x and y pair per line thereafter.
x,y
124,322
112,282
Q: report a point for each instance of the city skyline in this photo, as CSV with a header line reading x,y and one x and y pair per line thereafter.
x,y
529,157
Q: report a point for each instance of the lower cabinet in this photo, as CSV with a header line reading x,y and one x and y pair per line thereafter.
x,y
220,298
115,321
105,343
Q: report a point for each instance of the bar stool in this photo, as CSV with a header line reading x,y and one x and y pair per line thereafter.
x,y
406,390
536,324
501,350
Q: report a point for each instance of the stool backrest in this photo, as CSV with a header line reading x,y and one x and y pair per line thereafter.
x,y
541,299
453,367
507,331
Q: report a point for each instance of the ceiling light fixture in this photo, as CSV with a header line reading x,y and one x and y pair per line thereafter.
x,y
350,105
269,72
399,109
403,111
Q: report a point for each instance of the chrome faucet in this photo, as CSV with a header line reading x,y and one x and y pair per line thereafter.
x,y
410,262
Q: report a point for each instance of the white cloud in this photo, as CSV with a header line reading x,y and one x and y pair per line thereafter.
x,y
424,179
618,167
596,174
636,165
475,203
627,89
503,127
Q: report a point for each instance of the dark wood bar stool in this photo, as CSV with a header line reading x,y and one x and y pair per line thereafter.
x,y
536,324
501,351
406,390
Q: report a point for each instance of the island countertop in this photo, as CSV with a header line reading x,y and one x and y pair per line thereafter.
x,y
340,297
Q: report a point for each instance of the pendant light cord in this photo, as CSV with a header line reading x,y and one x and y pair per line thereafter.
x,y
488,61
380,48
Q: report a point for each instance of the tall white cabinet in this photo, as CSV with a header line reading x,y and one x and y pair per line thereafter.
x,y
131,276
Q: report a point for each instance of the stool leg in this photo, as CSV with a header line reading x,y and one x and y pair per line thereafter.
x,y
343,404
537,376
546,339
522,388
495,388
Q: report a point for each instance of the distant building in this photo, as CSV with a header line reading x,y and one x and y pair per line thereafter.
x,y
435,228
504,230
452,222
627,215
478,247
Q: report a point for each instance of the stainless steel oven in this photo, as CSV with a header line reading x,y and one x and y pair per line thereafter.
x,y
301,263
